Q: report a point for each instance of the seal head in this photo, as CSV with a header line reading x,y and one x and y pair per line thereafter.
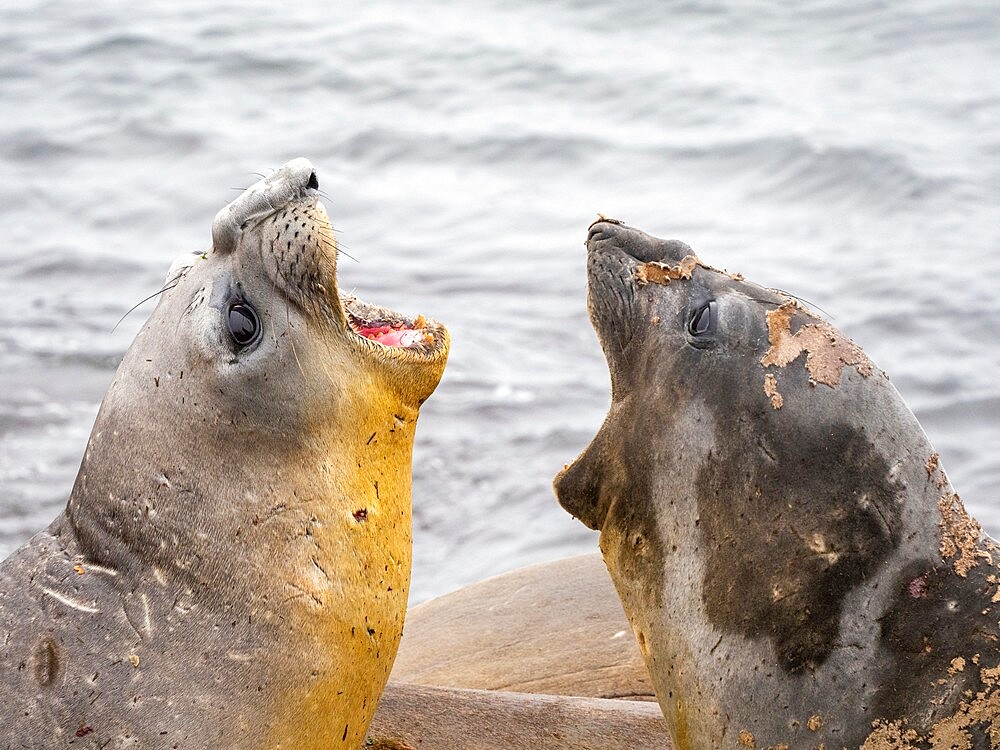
x,y
765,504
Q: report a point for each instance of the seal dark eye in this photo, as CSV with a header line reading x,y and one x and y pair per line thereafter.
x,y
702,320
244,325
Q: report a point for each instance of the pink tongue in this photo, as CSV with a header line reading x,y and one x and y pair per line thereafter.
x,y
393,338
386,335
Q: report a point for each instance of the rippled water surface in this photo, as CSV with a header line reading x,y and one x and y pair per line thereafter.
x,y
847,152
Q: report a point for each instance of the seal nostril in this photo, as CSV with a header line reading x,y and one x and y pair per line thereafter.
x,y
603,229
313,181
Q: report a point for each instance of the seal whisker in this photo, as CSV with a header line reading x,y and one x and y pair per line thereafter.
x,y
339,250
776,303
805,301
147,299
341,245
288,321
621,345
291,341
274,287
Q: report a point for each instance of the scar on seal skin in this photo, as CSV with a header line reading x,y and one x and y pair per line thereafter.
x,y
233,564
777,525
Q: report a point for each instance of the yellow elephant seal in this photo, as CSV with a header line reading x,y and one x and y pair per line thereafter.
x,y
233,564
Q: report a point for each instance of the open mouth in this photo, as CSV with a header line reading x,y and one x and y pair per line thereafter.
x,y
387,328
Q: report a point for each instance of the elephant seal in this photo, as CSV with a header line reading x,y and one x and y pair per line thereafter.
x,y
537,657
556,628
233,563
795,565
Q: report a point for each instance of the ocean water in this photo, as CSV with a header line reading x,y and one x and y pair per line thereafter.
x,y
848,152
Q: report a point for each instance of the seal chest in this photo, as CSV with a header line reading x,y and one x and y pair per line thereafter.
x,y
233,565
793,561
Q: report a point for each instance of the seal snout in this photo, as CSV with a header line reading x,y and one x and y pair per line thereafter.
x,y
603,229
611,234
295,180
577,490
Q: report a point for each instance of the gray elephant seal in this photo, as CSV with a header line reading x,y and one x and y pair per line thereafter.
x,y
233,564
794,563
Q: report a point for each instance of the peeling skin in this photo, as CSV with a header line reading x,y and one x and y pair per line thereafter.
x,y
977,716
657,272
962,538
960,535
889,735
663,273
996,597
771,391
828,351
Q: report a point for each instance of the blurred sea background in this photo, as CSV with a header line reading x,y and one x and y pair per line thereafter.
x,y
848,152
